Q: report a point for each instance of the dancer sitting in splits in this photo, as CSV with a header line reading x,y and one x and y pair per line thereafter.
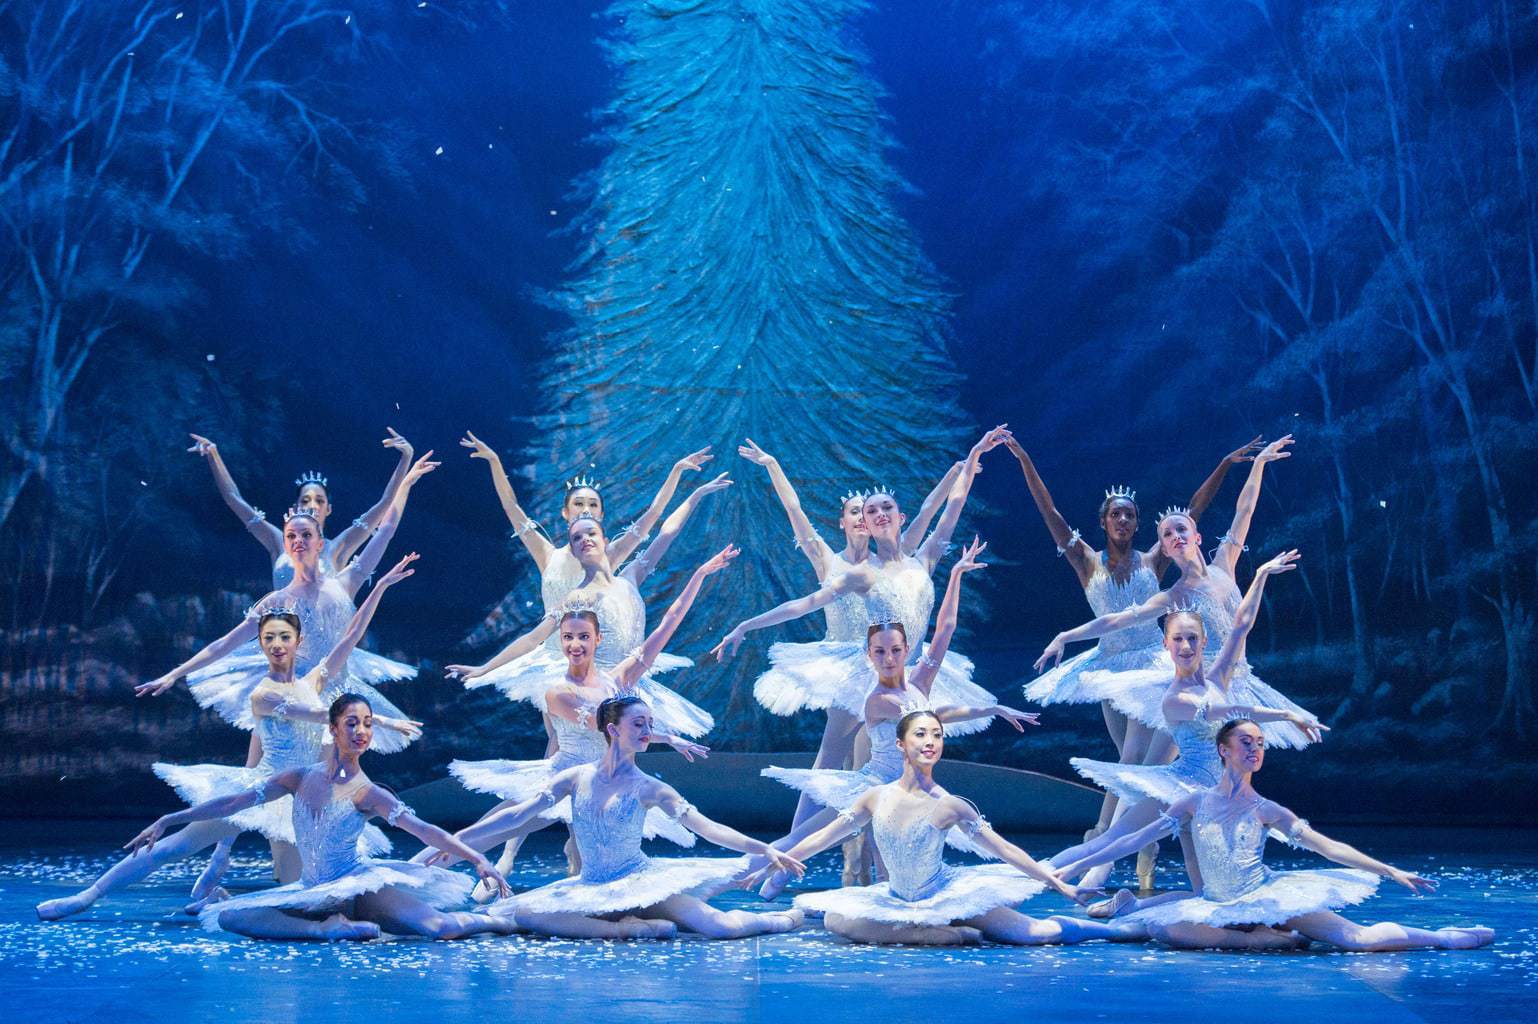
x,y
1211,590
896,587
1242,903
621,893
315,498
289,720
897,692
1114,579
783,694
342,894
1196,704
925,901
571,701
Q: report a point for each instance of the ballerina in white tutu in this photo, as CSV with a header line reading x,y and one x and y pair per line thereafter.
x,y
1242,903
341,894
1211,590
781,693
897,692
314,497
621,893
290,720
1196,704
1114,579
924,900
896,587
572,701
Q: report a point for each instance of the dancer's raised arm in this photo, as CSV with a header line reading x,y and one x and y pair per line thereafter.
x,y
948,615
628,672
1204,495
1070,544
913,533
857,581
642,565
524,528
624,545
255,521
351,539
934,547
1232,653
807,538
226,644
541,632
360,568
1232,542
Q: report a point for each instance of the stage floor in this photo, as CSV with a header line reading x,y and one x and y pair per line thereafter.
x,y
134,958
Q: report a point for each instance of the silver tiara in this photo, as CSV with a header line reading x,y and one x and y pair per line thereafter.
x,y
1174,510
311,477
579,603
582,481
1184,606
277,609
850,496
883,489
295,513
1122,492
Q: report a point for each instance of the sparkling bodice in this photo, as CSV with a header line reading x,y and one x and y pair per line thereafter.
x,y
621,620
283,566
328,840
324,611
1217,612
1230,843
1196,742
288,742
1106,595
846,615
886,761
608,834
903,592
578,742
911,848
561,575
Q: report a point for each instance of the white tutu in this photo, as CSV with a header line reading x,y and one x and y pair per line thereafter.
x,y
527,678
671,711
442,889
196,783
1140,694
830,673
963,893
225,686
1066,683
520,780
1164,783
1281,897
839,789
650,882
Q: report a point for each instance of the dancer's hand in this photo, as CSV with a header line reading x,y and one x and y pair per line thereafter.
x,y
720,483
399,443
1284,562
779,860
1275,450
1080,894
695,461
420,468
721,560
407,727
991,440
1311,726
724,650
1245,453
480,449
203,446
1018,719
491,876
399,572
1053,653
688,749
464,673
968,560
146,840
1417,884
155,687
753,453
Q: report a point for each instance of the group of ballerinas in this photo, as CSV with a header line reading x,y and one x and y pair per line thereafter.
x,y
306,691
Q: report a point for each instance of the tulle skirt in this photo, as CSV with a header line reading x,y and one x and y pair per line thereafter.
x,y
839,789
274,819
963,893
442,889
1140,694
1066,683
520,780
832,673
1165,783
1281,897
651,881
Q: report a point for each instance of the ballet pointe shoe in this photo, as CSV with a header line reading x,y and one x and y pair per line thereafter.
x,y
773,886
1471,937
343,929
787,920
1147,859
64,906
218,895
484,892
1113,907
1092,834
642,928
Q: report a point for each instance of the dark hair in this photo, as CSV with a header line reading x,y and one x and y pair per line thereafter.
x,y
1164,627
311,483
584,518
590,617
878,627
343,702
1228,729
572,492
906,721
613,709
1105,506
288,617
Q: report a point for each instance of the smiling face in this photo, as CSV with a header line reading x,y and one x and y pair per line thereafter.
x,y
883,519
352,728
1185,638
1244,747
1119,520
302,540
314,500
921,739
852,519
579,639
587,542
886,646
582,501
279,641
1178,538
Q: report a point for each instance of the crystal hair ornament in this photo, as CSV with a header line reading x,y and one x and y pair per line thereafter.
x,y
583,481
1120,491
852,495
1175,510
311,477
883,489
299,513
579,603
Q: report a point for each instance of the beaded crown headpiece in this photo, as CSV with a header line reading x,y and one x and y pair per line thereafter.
x,y
299,513
583,481
311,476
1174,510
849,496
882,489
1121,492
579,603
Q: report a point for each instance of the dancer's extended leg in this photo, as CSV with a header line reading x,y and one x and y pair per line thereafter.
x,y
402,913
857,930
136,866
1386,936
698,916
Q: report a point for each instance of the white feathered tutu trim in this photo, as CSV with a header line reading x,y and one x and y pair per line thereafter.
x,y
1140,693
1066,683
652,881
839,789
1165,783
672,711
518,781
442,889
1281,897
196,783
225,686
966,892
832,673
527,678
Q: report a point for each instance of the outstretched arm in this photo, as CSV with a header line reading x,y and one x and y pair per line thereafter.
x,y
1244,509
976,828
846,824
219,807
1070,544
807,538
913,533
335,661
930,551
642,565
844,583
363,566
226,644
378,802
624,546
1299,831
1232,653
1167,824
517,649
499,825
524,528
945,619
660,794
1150,609
1186,707
638,664
254,521
351,539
